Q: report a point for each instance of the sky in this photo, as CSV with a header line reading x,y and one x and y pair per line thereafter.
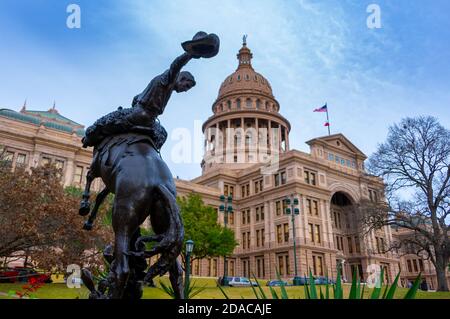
x,y
312,53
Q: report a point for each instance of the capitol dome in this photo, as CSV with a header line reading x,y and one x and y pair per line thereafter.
x,y
246,125
245,78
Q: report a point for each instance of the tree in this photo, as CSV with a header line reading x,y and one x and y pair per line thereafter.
x,y
415,164
39,219
201,225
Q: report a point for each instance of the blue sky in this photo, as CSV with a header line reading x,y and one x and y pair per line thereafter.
x,y
312,52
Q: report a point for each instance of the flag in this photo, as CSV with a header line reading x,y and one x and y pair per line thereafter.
x,y
321,109
327,124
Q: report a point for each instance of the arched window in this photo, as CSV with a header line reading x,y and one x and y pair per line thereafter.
x,y
267,106
247,77
229,104
239,77
248,103
258,104
238,104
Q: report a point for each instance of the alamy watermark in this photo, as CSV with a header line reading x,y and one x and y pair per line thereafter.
x,y
374,19
73,21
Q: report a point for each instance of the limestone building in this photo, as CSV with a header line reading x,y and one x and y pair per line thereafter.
x,y
247,156
30,138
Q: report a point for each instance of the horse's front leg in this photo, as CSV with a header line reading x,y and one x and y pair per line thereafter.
x,y
85,205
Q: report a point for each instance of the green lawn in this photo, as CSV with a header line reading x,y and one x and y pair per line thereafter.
x,y
60,291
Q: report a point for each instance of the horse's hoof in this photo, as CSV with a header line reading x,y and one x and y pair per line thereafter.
x,y
85,208
87,225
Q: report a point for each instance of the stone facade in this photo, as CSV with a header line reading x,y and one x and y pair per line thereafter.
x,y
327,181
32,138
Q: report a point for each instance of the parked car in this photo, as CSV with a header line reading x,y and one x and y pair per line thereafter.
x,y
8,275
241,282
25,274
276,283
321,280
300,281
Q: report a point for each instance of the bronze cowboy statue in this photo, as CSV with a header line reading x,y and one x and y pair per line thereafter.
x,y
126,156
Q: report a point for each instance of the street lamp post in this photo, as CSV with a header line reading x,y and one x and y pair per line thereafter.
x,y
293,210
226,208
189,248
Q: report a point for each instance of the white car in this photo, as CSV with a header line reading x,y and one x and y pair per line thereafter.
x,y
240,282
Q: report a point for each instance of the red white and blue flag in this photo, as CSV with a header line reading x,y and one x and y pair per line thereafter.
x,y
322,109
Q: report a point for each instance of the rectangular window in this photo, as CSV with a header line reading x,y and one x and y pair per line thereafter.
x,y
228,190
260,268
283,177
248,239
416,269
247,190
357,245
311,232
257,214
280,178
281,265
78,176
350,245
230,216
257,238
46,161
279,234
258,186
317,234
248,216
263,238
286,232
244,240
262,212
315,207
59,164
318,265
278,207
21,159
310,177
339,220
243,191
308,206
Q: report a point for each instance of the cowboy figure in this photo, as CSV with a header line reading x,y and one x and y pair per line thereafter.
x,y
148,105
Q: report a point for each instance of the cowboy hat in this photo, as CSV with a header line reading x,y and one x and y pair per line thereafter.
x,y
202,44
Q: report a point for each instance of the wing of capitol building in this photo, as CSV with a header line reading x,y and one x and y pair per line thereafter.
x,y
247,156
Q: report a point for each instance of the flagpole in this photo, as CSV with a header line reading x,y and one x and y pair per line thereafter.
x,y
328,121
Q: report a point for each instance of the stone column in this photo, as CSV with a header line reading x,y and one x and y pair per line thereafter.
x,y
305,219
287,138
68,176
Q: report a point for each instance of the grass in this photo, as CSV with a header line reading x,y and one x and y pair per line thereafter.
x,y
211,291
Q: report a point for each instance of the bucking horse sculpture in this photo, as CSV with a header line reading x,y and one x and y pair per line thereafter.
x,y
126,156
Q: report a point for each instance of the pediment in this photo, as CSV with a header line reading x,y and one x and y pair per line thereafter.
x,y
337,142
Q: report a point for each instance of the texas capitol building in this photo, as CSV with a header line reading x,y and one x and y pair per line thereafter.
x,y
247,156
247,126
